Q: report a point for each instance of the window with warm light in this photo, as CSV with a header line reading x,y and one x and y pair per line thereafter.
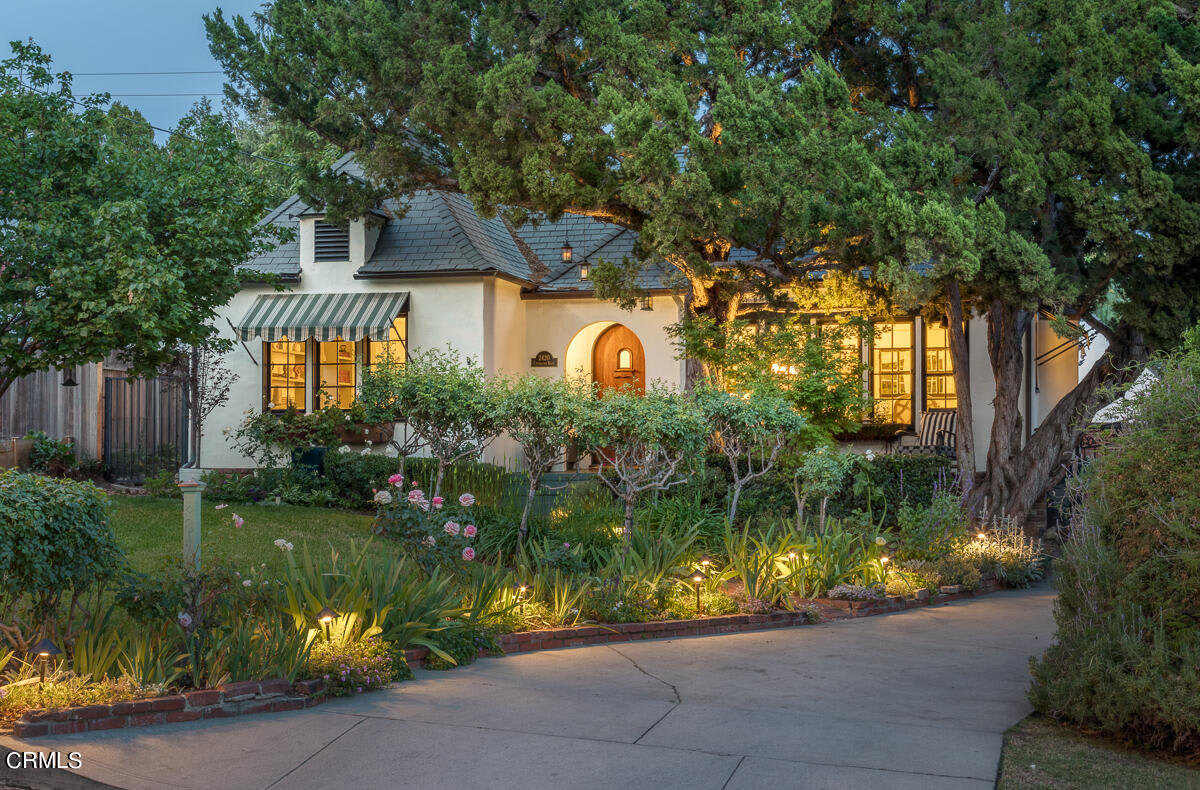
x,y
336,374
940,389
285,362
625,359
892,372
395,348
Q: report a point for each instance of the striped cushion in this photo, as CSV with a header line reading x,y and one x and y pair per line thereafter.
x,y
937,428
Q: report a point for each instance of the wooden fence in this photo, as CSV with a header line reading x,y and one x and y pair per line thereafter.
x,y
39,402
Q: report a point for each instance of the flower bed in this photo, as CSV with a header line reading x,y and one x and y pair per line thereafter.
x,y
270,696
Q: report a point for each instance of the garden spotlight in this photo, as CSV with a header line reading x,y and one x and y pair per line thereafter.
x,y
44,650
698,577
521,588
325,617
705,560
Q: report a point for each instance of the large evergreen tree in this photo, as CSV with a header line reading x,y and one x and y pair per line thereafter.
x,y
1021,156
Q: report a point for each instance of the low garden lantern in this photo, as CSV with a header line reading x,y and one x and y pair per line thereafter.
x,y
44,650
705,560
697,579
521,588
325,617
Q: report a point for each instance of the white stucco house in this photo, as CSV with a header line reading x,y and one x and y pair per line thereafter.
x,y
517,300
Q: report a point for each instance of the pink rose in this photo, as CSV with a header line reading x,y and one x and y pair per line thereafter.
x,y
470,531
429,541
451,528
396,479
416,495
466,500
566,545
437,503
238,521
220,507
468,554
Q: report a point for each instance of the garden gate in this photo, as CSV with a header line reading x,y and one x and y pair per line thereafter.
x,y
145,428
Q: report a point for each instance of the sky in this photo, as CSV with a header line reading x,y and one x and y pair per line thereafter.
x,y
88,36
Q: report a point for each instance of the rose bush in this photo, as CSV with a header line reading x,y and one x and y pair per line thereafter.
x,y
431,531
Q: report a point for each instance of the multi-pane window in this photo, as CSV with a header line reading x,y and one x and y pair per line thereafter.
x,y
395,348
286,364
336,374
892,372
940,390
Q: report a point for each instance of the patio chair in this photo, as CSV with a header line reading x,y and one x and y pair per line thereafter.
x,y
936,436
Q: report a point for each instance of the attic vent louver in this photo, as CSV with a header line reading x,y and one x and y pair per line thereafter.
x,y
332,243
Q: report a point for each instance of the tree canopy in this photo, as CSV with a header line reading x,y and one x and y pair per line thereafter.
x,y
109,242
1001,158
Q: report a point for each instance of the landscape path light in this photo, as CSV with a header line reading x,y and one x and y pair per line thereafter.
x,y
698,578
44,650
521,588
325,617
705,561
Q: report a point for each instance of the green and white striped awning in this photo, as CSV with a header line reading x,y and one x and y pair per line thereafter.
x,y
349,316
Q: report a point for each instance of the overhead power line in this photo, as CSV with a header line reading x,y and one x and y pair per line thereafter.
x,y
166,94
134,73
152,126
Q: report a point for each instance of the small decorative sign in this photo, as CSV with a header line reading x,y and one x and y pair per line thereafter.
x,y
543,359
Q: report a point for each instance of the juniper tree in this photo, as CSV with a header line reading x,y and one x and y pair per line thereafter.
x,y
1021,156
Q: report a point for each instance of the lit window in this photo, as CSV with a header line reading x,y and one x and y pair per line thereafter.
x,y
625,359
285,364
940,389
892,372
336,375
395,348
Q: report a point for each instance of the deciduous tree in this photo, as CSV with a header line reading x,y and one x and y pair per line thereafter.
x,y
109,241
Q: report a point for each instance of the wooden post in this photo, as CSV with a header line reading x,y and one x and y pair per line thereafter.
x,y
191,523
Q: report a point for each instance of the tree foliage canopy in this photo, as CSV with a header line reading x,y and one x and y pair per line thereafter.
x,y
109,242
1005,157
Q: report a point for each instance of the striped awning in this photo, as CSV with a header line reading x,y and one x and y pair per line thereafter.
x,y
349,316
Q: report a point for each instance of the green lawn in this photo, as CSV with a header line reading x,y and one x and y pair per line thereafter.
x,y
1042,755
151,530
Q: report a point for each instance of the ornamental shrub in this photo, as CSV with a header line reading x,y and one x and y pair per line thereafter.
x,y
892,480
49,456
355,667
55,540
1126,658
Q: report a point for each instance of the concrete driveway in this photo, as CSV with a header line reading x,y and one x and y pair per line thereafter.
x,y
918,699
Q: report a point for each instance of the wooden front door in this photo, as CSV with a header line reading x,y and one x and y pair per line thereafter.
x,y
618,361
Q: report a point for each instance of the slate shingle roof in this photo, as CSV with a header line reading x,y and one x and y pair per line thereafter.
x,y
284,260
441,232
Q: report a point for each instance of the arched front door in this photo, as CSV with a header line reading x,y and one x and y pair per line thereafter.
x,y
618,360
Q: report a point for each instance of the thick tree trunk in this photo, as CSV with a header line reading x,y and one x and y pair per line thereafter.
x,y
1006,332
964,426
1017,476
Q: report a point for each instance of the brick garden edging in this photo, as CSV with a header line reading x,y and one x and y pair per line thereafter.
x,y
231,699
245,697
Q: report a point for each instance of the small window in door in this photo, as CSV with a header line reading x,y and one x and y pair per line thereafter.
x,y
625,359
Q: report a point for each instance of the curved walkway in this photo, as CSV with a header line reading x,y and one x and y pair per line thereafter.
x,y
918,699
